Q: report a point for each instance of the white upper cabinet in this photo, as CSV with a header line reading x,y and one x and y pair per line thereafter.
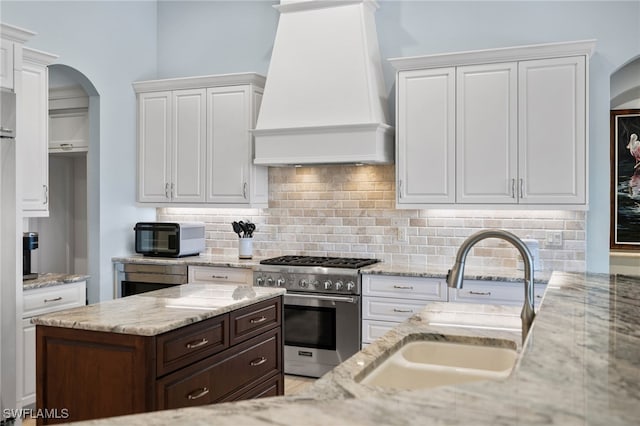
x,y
154,146
68,120
425,125
188,146
6,64
510,131
195,147
486,133
552,131
32,132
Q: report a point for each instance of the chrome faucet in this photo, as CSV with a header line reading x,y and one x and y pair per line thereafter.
x,y
454,277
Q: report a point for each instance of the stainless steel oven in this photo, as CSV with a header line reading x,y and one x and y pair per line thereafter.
x,y
322,309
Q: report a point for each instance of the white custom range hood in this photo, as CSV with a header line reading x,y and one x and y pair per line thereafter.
x,y
324,100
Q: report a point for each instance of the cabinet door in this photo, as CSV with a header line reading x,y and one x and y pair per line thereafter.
x,y
32,134
189,144
154,146
552,131
29,363
426,136
486,132
6,64
228,145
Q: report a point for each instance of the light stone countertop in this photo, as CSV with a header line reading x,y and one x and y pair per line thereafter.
x,y
51,279
382,268
156,312
580,365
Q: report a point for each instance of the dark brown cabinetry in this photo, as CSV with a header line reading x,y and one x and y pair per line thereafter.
x,y
91,374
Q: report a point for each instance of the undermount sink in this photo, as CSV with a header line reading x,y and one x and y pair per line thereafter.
x,y
426,364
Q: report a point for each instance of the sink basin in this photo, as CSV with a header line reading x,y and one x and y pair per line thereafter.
x,y
426,364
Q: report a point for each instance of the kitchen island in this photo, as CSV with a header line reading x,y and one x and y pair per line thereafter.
x,y
182,346
579,365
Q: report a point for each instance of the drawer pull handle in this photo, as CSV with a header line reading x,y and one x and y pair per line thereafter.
x,y
480,293
404,311
196,343
221,277
257,320
55,299
258,361
403,287
199,393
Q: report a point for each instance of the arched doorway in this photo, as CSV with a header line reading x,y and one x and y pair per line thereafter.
x,y
68,237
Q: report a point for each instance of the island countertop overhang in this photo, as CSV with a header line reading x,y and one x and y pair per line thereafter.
x,y
157,312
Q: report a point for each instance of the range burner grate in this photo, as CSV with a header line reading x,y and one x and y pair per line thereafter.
x,y
327,262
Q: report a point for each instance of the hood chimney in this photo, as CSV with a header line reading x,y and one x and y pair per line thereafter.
x,y
324,100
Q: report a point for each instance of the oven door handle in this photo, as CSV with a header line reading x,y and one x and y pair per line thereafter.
x,y
344,299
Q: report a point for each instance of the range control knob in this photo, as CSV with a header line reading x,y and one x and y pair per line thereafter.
x,y
339,285
270,282
303,283
350,285
260,281
328,285
280,282
314,284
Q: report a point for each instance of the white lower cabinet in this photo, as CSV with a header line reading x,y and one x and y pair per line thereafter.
x,y
42,301
388,300
220,275
494,292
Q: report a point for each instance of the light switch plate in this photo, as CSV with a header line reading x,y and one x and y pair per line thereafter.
x,y
554,239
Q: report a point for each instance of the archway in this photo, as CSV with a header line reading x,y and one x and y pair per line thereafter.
x,y
74,172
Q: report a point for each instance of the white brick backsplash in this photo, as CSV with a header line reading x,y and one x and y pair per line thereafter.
x,y
350,211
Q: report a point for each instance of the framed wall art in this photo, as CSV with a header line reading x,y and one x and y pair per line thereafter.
x,y
625,179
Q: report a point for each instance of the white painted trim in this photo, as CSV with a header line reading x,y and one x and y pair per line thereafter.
x,y
505,54
38,57
321,4
323,129
16,34
199,82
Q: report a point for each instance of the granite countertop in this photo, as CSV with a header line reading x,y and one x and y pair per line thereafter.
x,y
52,279
579,365
382,268
156,312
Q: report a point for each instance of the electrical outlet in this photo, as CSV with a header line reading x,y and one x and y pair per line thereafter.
x,y
554,239
402,234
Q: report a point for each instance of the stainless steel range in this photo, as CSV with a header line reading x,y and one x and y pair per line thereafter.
x,y
322,309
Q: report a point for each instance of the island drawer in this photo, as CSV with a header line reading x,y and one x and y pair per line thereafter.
x,y
220,275
231,372
55,298
187,345
255,319
273,386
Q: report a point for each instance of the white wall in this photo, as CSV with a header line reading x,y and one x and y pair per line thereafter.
x,y
113,44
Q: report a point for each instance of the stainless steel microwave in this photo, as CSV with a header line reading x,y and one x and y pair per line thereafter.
x,y
169,239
